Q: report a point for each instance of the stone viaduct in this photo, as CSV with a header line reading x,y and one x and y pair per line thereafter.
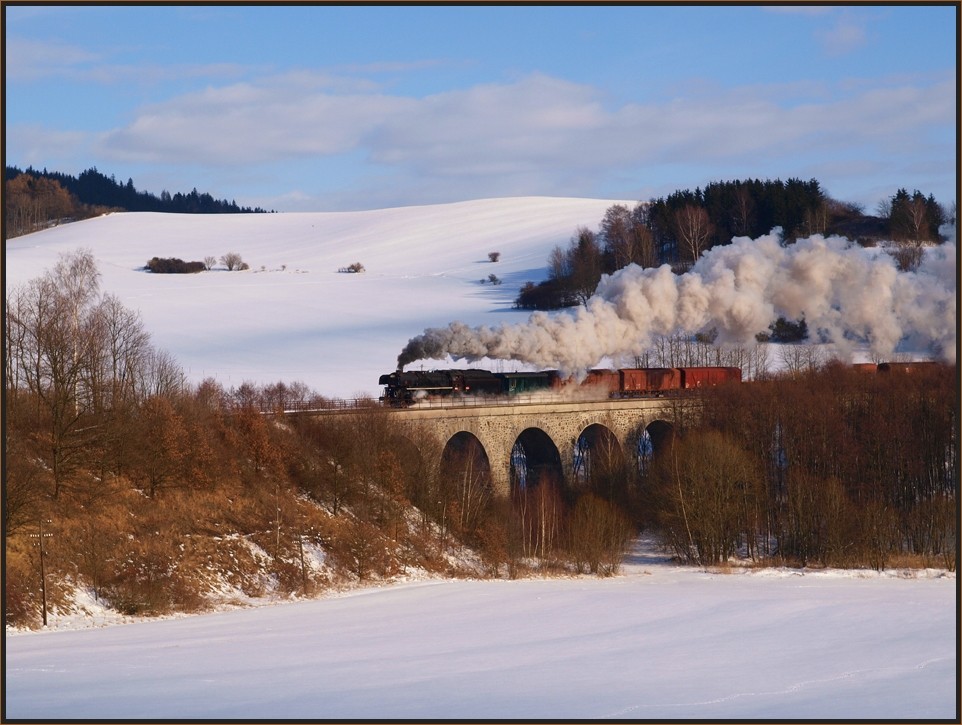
x,y
523,439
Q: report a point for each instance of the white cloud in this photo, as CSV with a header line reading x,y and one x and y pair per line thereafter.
x,y
534,135
843,37
42,147
536,122
31,60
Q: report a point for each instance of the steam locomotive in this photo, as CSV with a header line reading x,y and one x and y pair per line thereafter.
x,y
407,388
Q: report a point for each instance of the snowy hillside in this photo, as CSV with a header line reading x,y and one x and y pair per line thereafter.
x,y
292,316
660,642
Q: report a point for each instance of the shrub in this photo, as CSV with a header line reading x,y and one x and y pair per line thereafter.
x,y
707,495
232,260
599,535
494,256
352,268
548,295
172,265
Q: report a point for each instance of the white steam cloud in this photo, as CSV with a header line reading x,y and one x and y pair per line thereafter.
x,y
849,296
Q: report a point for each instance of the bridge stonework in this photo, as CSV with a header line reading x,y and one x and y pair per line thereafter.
x,y
498,427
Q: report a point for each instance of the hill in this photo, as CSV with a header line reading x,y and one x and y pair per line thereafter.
x,y
302,319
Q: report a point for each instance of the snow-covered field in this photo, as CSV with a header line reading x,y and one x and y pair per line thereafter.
x,y
657,642
292,316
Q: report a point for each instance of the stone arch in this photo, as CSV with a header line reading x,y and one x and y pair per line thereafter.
x,y
464,454
598,461
465,480
408,451
653,441
534,458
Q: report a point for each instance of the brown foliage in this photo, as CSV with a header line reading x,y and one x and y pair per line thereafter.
x,y
599,535
32,203
709,497
858,467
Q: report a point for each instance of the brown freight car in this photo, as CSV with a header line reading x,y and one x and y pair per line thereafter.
x,y
602,380
645,381
707,377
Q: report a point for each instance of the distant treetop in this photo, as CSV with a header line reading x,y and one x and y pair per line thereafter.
x,y
96,189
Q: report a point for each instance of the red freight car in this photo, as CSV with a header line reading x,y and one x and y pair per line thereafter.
x,y
602,380
707,377
642,381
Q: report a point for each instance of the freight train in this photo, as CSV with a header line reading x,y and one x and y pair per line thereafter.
x,y
407,388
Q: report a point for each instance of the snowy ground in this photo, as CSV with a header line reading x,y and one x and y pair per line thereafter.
x,y
292,316
657,642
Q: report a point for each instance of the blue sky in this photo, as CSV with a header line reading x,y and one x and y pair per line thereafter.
x,y
317,108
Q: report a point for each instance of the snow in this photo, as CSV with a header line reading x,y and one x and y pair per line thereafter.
x,y
658,641
292,316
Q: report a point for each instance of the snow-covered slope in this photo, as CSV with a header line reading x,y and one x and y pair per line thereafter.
x,y
659,643
292,316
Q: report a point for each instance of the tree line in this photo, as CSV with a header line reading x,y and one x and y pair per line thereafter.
x,y
679,228
830,467
36,199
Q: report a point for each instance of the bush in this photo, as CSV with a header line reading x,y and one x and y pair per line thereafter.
x,y
547,295
355,268
494,256
232,260
707,495
172,265
599,535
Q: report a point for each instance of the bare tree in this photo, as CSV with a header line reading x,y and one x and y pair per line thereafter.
x,y
558,264
599,535
802,358
709,495
816,219
743,211
232,260
626,236
916,215
160,374
124,350
57,338
585,264
693,229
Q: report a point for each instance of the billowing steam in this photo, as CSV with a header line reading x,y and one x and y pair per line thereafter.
x,y
848,295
